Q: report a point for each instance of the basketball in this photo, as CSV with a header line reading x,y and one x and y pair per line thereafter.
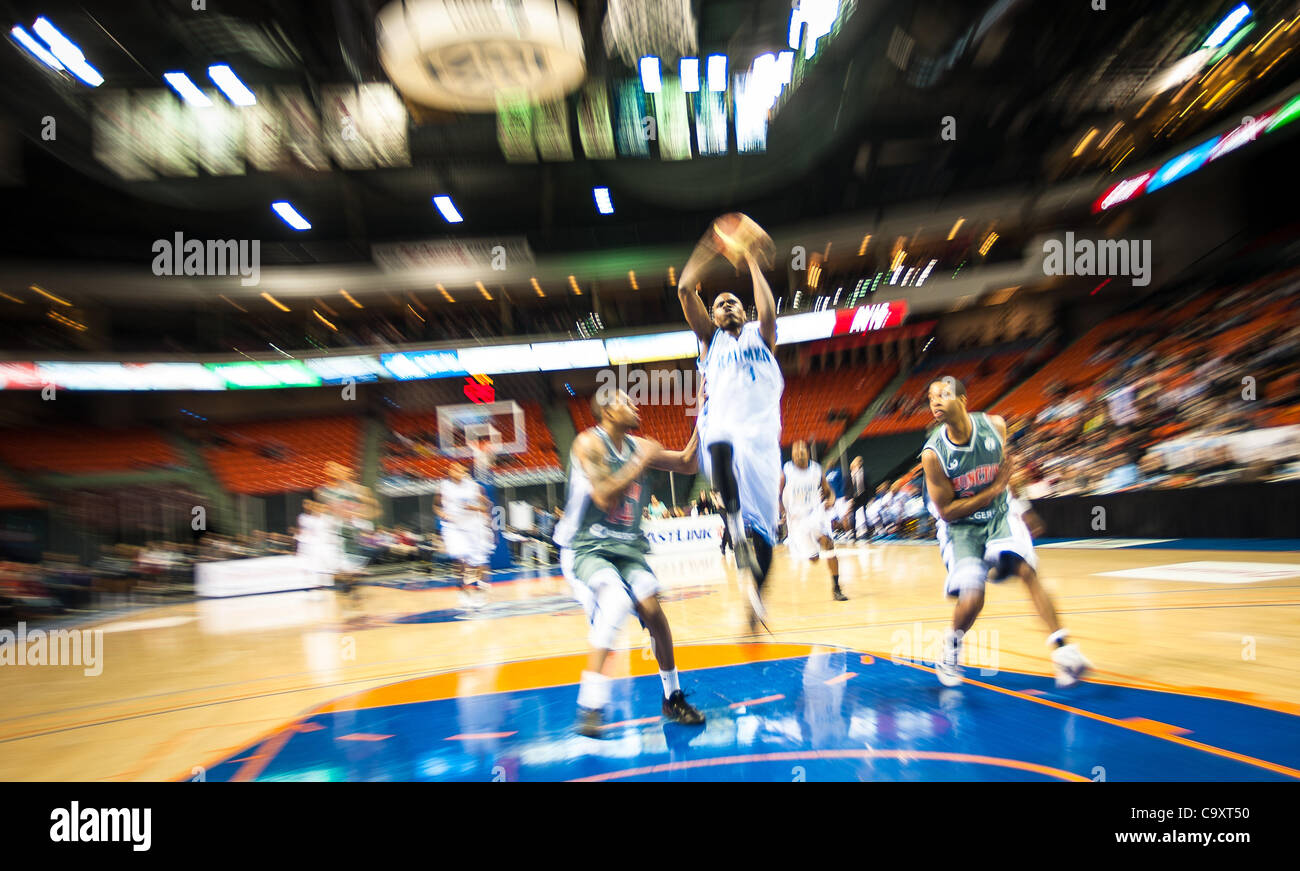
x,y
736,234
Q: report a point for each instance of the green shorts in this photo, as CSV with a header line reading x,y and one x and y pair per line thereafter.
x,y
969,549
596,566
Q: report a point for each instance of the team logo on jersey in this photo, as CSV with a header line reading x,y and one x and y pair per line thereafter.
x,y
952,464
988,444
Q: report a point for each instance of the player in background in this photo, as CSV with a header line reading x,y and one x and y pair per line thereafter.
x,y
808,503
465,513
354,510
602,551
966,474
740,418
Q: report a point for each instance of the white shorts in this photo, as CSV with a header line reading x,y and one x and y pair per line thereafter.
x,y
806,532
607,598
468,543
756,465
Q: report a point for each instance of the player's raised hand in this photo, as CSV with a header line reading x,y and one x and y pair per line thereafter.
x,y
692,444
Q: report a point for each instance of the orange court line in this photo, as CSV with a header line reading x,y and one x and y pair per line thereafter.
x,y
797,755
257,764
529,674
1102,718
1221,694
364,736
640,722
445,684
841,678
749,702
477,736
1154,727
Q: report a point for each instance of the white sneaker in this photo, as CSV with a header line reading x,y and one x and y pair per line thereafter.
x,y
948,669
1070,664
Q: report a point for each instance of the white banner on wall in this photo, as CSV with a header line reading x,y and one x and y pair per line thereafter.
x,y
679,534
247,577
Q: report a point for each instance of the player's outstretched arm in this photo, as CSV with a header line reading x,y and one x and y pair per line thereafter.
x,y
607,486
828,495
763,301
686,461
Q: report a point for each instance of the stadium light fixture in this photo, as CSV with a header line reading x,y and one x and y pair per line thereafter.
x,y
235,90
603,202
717,72
67,53
448,209
40,52
690,73
290,215
785,66
650,80
1227,27
189,91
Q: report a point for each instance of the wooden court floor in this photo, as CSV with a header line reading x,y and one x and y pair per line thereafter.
x,y
182,686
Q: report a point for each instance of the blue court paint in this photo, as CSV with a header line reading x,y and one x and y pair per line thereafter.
x,y
1269,544
888,722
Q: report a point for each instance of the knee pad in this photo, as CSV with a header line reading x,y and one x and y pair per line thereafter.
x,y
612,607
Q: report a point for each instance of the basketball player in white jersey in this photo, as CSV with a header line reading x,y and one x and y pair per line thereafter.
x,y
466,527
354,510
320,549
740,419
808,502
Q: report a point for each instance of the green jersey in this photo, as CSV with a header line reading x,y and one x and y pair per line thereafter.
x,y
970,467
585,526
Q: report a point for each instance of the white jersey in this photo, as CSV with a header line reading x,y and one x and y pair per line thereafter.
x,y
459,499
803,489
743,383
320,547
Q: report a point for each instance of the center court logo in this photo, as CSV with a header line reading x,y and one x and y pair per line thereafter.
x,y
97,825
83,648
656,387
181,256
1111,257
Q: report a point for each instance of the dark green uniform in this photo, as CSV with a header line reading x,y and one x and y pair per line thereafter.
x,y
600,539
971,544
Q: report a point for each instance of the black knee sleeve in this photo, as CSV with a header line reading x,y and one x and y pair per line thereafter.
x,y
724,480
763,555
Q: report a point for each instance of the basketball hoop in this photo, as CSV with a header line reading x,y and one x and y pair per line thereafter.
x,y
663,28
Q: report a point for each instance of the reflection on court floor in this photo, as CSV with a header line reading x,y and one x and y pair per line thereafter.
x,y
777,712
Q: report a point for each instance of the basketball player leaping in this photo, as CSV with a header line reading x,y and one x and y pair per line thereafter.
x,y
740,421
967,469
602,550
808,501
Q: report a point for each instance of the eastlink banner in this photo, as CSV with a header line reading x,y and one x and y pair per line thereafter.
x,y
679,534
